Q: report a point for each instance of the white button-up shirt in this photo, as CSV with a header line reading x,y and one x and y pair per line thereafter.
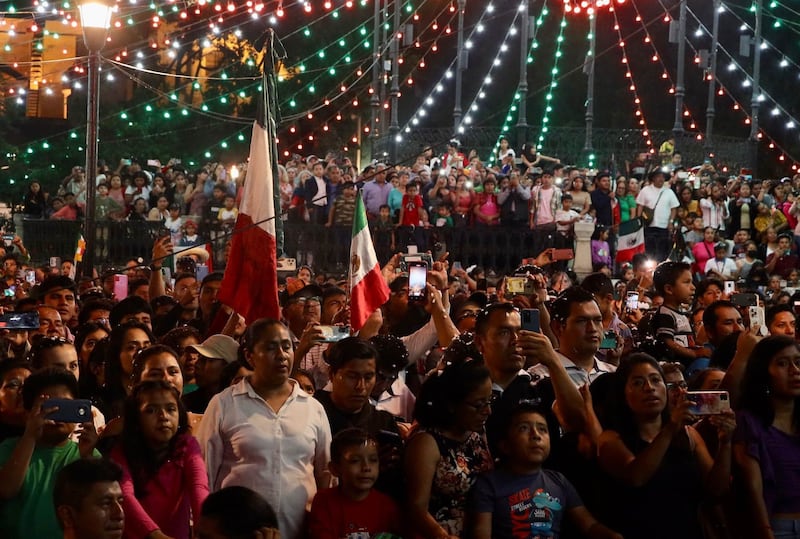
x,y
578,376
248,444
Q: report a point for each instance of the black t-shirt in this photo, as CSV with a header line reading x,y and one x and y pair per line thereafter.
x,y
368,419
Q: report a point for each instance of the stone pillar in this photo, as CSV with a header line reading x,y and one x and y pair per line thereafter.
x,y
583,249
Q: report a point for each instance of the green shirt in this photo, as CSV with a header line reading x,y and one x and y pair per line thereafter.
x,y
31,512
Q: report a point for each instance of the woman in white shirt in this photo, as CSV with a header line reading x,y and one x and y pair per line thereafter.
x,y
267,434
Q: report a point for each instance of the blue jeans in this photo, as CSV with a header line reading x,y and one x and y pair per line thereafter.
x,y
785,528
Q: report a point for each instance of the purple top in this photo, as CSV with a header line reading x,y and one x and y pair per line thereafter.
x,y
778,456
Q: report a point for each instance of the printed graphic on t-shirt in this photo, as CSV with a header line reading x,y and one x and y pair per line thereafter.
x,y
533,515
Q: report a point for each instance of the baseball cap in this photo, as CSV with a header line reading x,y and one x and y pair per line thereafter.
x,y
218,346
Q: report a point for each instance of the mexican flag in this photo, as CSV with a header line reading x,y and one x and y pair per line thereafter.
x,y
630,240
368,289
250,283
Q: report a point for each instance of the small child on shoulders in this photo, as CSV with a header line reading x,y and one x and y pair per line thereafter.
x,y
353,509
520,498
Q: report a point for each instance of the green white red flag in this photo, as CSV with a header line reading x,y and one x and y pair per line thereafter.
x,y
368,288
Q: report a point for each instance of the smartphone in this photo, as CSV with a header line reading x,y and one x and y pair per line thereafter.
x,y
730,288
530,320
8,239
55,262
201,272
409,258
120,286
30,277
387,437
29,320
708,402
744,300
457,265
412,249
563,254
516,286
632,301
682,175
10,291
609,341
334,333
126,162
757,317
69,410
417,277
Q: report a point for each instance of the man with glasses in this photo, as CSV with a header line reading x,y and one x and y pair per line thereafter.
x,y
507,350
353,367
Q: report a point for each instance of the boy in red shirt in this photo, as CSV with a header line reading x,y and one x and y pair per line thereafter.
x,y
353,509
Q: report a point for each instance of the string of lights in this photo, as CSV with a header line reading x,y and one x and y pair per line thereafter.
x,y
548,107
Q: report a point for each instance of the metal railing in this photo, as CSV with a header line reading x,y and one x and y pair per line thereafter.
x,y
326,249
610,145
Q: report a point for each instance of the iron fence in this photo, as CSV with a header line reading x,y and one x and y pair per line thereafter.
x,y
611,147
326,249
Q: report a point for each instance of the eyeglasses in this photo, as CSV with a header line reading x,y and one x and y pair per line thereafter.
x,y
672,386
479,405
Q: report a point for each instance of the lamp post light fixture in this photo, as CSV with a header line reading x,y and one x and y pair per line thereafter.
x,y
95,22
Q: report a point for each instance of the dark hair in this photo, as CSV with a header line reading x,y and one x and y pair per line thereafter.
x,y
141,459
128,306
482,320
710,317
141,358
523,407
99,304
40,344
619,416
173,337
229,372
348,349
698,379
239,512
83,332
56,282
252,336
75,480
39,380
392,354
348,438
667,273
307,374
444,390
756,384
214,276
706,283
775,310
113,374
13,364
573,295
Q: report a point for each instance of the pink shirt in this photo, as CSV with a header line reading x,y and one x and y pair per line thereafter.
x,y
171,497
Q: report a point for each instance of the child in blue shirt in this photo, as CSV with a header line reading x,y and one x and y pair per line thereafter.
x,y
519,499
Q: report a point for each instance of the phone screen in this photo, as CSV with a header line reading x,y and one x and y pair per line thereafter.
x,y
633,301
120,286
417,276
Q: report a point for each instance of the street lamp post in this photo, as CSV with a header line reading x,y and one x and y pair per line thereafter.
x,y
95,22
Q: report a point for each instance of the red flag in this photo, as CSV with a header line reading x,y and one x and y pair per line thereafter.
x,y
250,284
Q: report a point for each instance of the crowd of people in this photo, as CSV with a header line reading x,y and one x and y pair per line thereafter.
x,y
654,398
